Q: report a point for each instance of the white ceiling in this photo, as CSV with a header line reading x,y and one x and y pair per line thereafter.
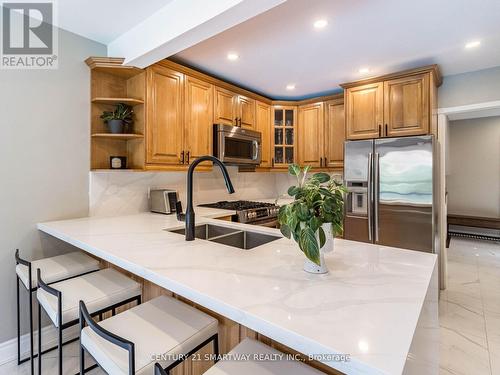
x,y
104,20
281,46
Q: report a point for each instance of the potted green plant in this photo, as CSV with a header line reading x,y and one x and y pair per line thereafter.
x,y
314,217
119,118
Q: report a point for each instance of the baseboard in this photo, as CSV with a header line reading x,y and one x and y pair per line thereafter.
x,y
8,349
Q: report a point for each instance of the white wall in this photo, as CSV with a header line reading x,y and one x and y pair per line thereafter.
x,y
470,88
44,149
473,171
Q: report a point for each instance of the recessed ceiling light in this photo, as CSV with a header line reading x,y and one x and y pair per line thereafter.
x,y
319,24
291,86
473,44
363,346
233,56
364,71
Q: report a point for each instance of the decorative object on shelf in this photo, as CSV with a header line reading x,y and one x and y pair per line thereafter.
x,y
314,217
118,162
119,118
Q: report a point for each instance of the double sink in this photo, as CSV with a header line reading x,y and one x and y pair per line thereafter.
x,y
242,239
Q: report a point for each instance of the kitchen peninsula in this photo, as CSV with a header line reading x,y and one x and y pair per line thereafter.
x,y
376,309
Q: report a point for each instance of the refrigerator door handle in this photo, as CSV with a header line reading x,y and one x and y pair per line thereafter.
x,y
376,194
369,198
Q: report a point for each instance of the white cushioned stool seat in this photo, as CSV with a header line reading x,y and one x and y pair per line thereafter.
x,y
259,362
98,290
162,327
58,268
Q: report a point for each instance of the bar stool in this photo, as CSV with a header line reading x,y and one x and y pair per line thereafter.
x,y
163,329
102,291
253,349
54,269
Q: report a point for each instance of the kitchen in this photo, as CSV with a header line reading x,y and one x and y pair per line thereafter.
x,y
190,203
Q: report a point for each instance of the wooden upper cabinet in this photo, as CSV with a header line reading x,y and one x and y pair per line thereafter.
x,y
406,106
263,125
283,136
334,134
310,134
164,130
199,115
394,105
364,111
233,109
246,112
225,107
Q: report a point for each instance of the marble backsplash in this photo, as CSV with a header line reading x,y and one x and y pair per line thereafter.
x,y
122,193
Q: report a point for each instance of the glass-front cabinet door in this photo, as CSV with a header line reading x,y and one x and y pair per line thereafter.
x,y
284,130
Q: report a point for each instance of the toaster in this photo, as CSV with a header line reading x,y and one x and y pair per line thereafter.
x,y
162,201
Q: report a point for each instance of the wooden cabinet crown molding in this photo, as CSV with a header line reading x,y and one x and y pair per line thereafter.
x,y
112,65
339,96
213,80
433,69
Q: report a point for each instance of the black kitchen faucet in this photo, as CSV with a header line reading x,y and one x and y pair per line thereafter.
x,y
189,209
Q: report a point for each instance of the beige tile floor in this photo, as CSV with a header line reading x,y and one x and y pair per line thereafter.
x,y
469,314
49,363
469,309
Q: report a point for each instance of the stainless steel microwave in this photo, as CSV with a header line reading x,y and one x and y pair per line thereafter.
x,y
234,145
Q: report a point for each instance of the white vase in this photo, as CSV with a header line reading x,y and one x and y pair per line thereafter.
x,y
310,266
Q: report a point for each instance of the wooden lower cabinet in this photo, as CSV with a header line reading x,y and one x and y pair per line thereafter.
x,y
310,134
164,117
334,134
263,125
230,332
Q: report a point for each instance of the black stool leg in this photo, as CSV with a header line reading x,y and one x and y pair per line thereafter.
x,y
82,360
30,292
39,340
216,348
18,323
59,331
81,324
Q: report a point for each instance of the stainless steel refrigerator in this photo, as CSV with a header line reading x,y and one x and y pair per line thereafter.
x,y
390,192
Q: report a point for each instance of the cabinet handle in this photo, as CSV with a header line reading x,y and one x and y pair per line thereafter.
x,y
187,157
182,157
236,121
272,162
379,130
320,162
240,122
386,130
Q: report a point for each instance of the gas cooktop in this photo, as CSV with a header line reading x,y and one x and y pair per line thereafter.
x,y
237,205
249,212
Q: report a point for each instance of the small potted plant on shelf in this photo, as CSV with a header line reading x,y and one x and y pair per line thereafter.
x,y
119,118
315,216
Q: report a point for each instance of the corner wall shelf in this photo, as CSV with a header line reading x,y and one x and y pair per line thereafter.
x,y
112,83
117,136
129,101
117,170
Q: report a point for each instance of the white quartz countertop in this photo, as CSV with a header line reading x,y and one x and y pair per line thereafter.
x,y
367,306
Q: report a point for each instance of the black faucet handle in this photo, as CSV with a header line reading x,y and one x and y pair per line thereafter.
x,y
178,211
